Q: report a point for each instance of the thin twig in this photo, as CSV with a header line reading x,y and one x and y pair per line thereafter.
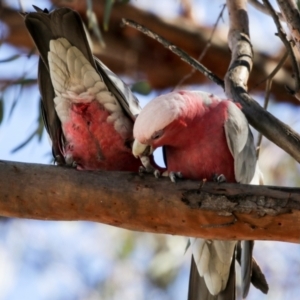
x,y
282,35
182,54
269,80
276,69
202,54
259,6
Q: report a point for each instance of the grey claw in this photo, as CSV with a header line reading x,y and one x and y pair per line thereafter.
x,y
156,174
174,175
179,175
219,178
142,170
147,167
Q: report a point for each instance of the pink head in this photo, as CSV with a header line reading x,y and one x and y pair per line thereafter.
x,y
165,116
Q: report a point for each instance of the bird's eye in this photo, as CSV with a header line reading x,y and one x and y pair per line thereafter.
x,y
157,134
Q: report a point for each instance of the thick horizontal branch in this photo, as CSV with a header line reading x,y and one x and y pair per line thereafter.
x,y
127,200
138,62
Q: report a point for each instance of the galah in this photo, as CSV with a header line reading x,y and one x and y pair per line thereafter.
x,y
204,137
88,111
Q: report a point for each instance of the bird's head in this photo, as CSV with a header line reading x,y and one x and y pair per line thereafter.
x,y
164,120
155,125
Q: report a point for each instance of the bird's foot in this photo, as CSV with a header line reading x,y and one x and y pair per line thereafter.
x,y
70,162
219,178
173,175
59,160
147,167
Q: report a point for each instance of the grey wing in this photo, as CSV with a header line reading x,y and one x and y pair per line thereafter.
x,y
67,23
63,22
51,120
240,143
44,27
122,92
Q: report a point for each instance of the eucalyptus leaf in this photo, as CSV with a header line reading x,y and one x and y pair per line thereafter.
x,y
142,87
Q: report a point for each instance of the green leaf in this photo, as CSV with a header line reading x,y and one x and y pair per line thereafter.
x,y
127,246
107,11
37,132
142,87
1,110
187,246
41,127
14,57
93,23
24,143
25,81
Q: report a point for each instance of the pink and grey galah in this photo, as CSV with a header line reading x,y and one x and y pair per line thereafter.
x,y
204,137
88,111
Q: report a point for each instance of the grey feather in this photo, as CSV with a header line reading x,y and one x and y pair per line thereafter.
x,y
240,142
198,289
124,95
258,279
51,120
247,250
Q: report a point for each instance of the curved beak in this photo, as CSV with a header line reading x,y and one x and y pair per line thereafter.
x,y
139,149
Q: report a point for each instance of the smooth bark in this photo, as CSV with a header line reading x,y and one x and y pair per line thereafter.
x,y
127,200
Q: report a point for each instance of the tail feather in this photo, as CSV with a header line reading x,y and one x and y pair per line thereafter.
x,y
258,279
246,266
44,27
198,289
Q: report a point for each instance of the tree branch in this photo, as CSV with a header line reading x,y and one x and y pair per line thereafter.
x,y
138,60
259,6
236,83
282,35
189,208
176,50
292,17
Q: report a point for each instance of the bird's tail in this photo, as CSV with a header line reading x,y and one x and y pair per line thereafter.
x,y
198,289
211,259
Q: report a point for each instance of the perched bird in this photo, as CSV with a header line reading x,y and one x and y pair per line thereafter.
x,y
88,111
204,137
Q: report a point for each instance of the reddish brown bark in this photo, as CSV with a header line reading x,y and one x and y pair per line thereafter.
x,y
131,53
224,211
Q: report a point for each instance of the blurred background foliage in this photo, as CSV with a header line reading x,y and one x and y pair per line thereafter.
x,y
84,260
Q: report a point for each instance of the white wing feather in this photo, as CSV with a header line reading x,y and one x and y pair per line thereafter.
x,y
213,260
75,80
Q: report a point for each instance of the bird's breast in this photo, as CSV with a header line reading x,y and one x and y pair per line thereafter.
x,y
203,150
